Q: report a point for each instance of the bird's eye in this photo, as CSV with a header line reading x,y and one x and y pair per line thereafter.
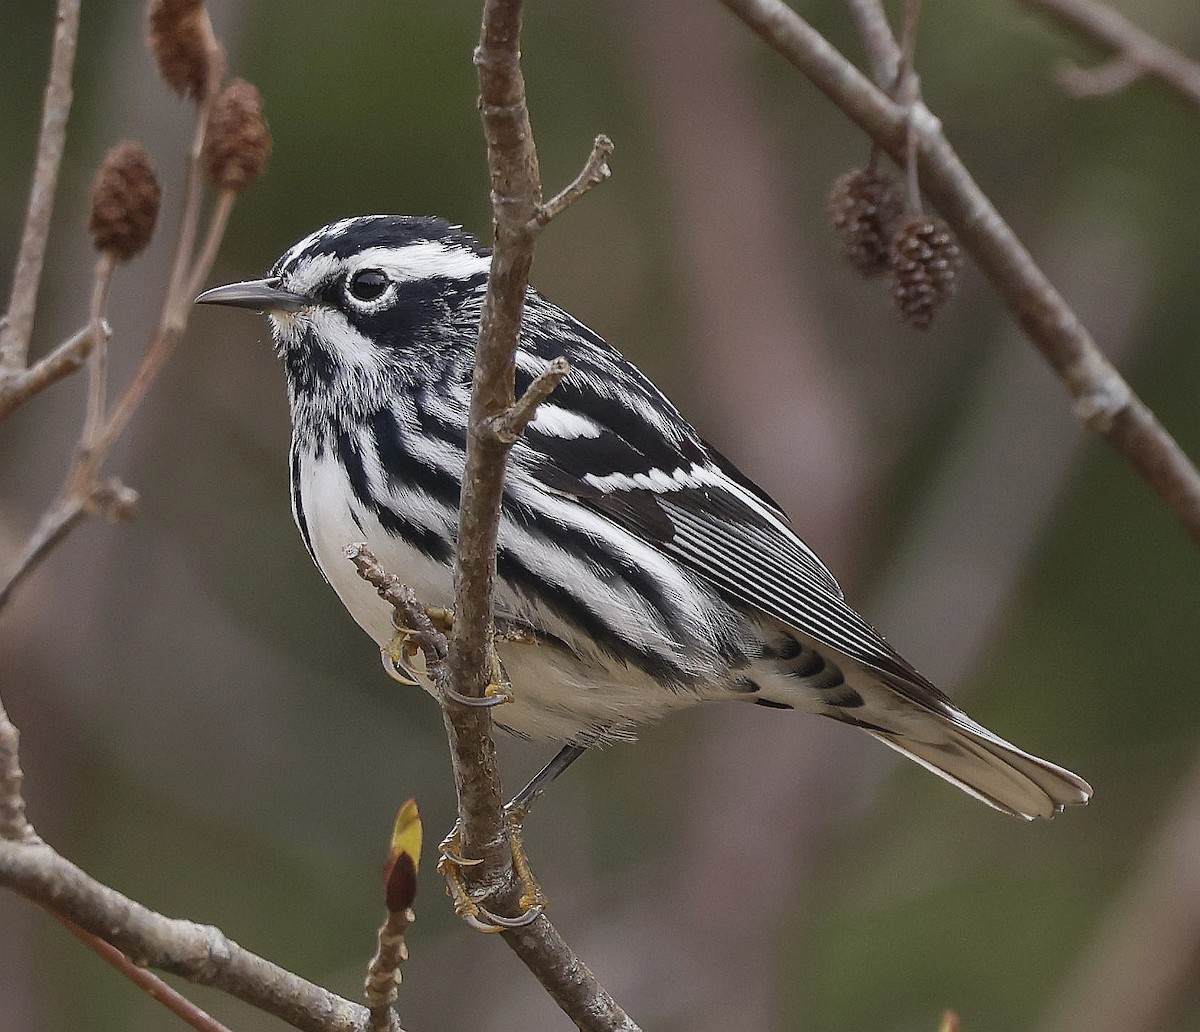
x,y
368,284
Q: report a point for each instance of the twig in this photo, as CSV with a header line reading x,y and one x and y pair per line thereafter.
x,y
595,170
908,93
17,326
200,953
173,1000
98,361
1103,400
408,609
516,203
1138,53
1100,81
217,223
112,497
14,827
878,40
384,968
65,359
509,425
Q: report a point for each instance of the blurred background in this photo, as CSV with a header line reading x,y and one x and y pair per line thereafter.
x,y
205,729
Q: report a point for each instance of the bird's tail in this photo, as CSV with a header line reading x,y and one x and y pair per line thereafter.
x,y
946,741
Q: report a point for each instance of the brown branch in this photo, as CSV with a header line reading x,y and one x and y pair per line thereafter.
x,y
67,358
509,425
154,986
82,492
408,609
1134,47
1102,398
383,971
517,203
595,170
14,827
112,498
199,953
878,41
17,326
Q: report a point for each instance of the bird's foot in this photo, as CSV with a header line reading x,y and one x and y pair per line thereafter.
x,y
398,655
471,907
498,690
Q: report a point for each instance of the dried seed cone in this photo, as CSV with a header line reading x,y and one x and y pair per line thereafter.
x,y
238,142
125,200
181,37
924,261
864,209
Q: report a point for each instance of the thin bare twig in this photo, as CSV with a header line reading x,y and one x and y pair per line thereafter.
x,y
17,326
595,170
174,1001
1138,53
878,40
516,202
217,223
113,498
1102,398
98,360
908,92
65,359
383,971
199,953
14,827
408,608
509,425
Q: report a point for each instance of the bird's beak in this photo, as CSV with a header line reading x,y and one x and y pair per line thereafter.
x,y
262,295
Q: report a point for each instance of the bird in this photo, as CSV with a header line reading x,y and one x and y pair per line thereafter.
x,y
640,570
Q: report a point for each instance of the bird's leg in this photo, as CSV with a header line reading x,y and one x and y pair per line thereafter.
x,y
398,654
533,900
499,689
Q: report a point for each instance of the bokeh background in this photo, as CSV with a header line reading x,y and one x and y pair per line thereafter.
x,y
205,729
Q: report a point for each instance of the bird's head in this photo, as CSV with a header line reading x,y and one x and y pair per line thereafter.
x,y
365,294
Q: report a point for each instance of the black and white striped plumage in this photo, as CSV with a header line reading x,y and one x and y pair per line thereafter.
x,y
654,574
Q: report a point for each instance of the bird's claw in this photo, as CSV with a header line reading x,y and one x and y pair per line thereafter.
x,y
470,908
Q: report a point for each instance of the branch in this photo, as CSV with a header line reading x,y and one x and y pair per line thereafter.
x,y
878,41
112,497
67,358
17,325
13,825
200,953
1103,400
509,425
595,170
1137,52
519,217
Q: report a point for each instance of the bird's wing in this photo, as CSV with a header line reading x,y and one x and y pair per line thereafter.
x,y
608,438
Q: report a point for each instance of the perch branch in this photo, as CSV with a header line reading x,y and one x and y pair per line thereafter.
x,y
17,325
516,202
65,359
1102,399
1137,53
199,953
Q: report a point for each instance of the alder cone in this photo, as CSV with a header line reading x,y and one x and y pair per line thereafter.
x,y
924,260
180,35
864,208
238,142
125,201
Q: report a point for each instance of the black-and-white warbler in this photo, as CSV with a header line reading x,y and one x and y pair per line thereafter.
x,y
652,574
